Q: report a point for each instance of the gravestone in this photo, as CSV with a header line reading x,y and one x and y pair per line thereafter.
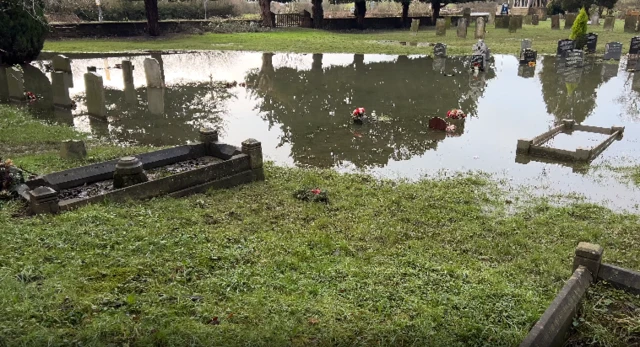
x,y
565,46
4,84
555,22
15,83
633,64
613,50
447,22
535,20
519,20
609,23
630,23
528,56
466,14
92,69
440,50
478,61
569,18
61,63
441,27
73,150
528,19
60,89
480,28
439,64
572,75
513,24
462,28
127,71
526,71
634,47
502,22
595,19
574,58
153,73
95,99
524,44
481,48
492,19
592,42
415,24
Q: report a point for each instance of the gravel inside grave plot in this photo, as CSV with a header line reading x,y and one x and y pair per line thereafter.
x,y
102,187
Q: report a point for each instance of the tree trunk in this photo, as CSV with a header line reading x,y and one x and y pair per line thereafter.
x,y
360,11
265,13
405,13
435,8
318,13
151,9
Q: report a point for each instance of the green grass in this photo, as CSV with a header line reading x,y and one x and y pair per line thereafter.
x,y
319,41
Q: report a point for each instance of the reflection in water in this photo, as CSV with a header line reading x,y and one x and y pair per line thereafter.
x,y
299,106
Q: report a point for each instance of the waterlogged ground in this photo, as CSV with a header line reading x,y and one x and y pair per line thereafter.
x,y
298,105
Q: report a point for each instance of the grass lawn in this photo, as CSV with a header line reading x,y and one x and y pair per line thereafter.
x,y
439,262
319,41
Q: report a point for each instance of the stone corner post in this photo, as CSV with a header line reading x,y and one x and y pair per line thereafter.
x,y
588,255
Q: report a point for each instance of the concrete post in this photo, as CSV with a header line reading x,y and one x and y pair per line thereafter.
x,y
43,200
209,137
253,148
588,255
523,146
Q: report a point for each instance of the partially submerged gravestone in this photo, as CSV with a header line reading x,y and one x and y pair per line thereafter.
x,y
569,18
441,27
555,22
462,28
565,46
613,50
94,91
129,88
128,172
481,48
15,83
574,58
480,28
609,23
61,63
440,50
155,100
73,150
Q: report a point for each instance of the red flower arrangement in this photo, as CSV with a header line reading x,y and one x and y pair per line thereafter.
x,y
456,114
313,195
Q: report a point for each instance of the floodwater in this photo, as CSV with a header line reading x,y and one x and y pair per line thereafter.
x,y
299,106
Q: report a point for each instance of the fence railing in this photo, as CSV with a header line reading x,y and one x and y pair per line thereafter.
x,y
288,20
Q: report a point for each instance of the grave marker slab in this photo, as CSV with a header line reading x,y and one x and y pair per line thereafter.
x,y
595,19
527,19
555,22
524,44
153,73
15,82
95,99
525,71
441,27
630,23
565,46
492,19
569,18
480,28
634,47
613,50
60,89
415,24
609,23
478,61
462,28
535,20
528,56
574,58
513,24
127,71
592,42
61,63
440,50
447,22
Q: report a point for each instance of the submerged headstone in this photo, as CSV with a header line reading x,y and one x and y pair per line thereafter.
x,y
478,61
575,58
528,56
441,27
95,99
480,28
565,46
555,22
73,150
440,50
569,18
609,23
153,73
462,28
60,89
613,50
15,83
155,100
526,71
415,24
592,42
439,64
609,71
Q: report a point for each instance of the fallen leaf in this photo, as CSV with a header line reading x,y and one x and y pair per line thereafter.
x,y
313,321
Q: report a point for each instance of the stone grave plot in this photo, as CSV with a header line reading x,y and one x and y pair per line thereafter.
x,y
176,172
539,145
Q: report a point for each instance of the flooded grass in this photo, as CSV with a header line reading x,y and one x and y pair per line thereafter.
x,y
384,262
318,41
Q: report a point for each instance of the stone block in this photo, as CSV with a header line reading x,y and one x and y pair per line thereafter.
x,y
609,23
555,22
95,99
441,27
630,23
569,18
588,255
595,19
462,28
43,200
480,28
153,73
128,172
253,148
73,149
15,83
583,154
620,278
523,146
528,19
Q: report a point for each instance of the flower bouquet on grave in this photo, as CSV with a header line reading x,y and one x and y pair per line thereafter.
x,y
10,178
312,195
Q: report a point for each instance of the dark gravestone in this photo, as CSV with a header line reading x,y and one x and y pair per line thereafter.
x,y
613,50
574,58
630,23
592,42
502,22
478,61
528,56
565,46
439,64
555,22
513,24
528,19
440,50
634,48
633,64
525,71
569,18
535,20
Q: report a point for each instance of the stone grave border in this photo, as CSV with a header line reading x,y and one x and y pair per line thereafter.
x,y
239,166
552,327
533,147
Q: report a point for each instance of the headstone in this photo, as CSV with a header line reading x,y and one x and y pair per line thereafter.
x,y
555,22
565,46
441,27
524,44
15,83
528,56
630,23
127,71
92,69
466,14
480,28
440,50
447,22
613,50
633,64
4,85
535,20
569,18
513,24
592,42
481,48
439,64
574,58
526,71
462,28
415,24
635,83
520,21
61,63
609,23
634,47
95,99
153,73
478,61
492,19
595,18
60,89
155,100
73,150
528,19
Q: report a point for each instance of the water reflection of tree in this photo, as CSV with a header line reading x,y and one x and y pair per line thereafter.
x,y
188,107
630,97
313,107
569,93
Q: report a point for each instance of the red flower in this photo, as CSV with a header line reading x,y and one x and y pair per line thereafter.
x,y
316,191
